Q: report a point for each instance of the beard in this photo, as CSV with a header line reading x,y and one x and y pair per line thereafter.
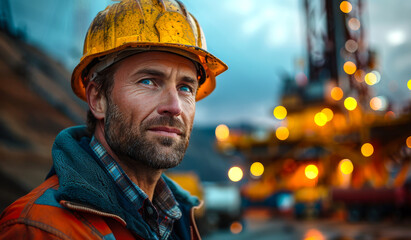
x,y
131,143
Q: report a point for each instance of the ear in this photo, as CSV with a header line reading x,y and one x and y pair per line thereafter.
x,y
97,102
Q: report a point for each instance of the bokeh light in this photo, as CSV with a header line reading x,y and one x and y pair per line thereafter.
x,y
349,67
320,119
372,78
354,24
235,174
222,132
282,133
280,112
350,103
329,113
314,234
257,169
359,75
236,227
346,166
367,149
311,171
378,103
337,93
345,7
409,84
375,103
351,46
408,141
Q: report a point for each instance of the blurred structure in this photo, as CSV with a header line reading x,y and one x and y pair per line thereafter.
x,y
332,134
35,104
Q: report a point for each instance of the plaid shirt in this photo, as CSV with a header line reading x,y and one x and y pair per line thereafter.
x,y
159,214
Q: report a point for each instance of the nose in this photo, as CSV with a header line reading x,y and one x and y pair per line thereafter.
x,y
170,103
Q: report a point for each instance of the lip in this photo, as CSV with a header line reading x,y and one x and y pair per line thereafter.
x,y
166,131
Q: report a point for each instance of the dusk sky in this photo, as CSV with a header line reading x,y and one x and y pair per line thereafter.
x,y
260,41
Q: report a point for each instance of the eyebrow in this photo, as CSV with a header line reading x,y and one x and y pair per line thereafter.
x,y
157,73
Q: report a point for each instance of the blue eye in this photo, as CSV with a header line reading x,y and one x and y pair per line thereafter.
x,y
146,82
185,89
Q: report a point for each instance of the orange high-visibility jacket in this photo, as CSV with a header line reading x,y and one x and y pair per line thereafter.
x,y
79,201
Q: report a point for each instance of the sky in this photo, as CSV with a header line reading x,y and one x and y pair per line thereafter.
x,y
260,41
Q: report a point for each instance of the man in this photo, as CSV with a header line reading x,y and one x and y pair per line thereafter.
x,y
143,69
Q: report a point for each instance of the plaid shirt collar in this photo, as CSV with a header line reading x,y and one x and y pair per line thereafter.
x,y
159,214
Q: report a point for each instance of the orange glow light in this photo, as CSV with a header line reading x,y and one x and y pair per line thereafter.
x,y
329,113
350,67
236,227
280,112
367,149
337,93
257,169
314,234
222,132
408,141
282,133
359,75
345,7
346,166
350,103
235,174
311,171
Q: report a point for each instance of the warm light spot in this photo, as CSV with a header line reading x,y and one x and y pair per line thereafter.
x,y
329,113
408,141
320,119
282,133
375,103
354,24
389,115
280,112
235,174
236,227
345,7
314,234
350,67
409,84
378,103
367,149
350,103
359,75
351,46
311,171
371,78
257,169
222,132
337,93
346,166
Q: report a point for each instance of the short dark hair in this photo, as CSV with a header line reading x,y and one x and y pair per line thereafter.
x,y
105,82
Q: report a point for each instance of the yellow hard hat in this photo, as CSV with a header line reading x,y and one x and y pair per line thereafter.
x,y
146,25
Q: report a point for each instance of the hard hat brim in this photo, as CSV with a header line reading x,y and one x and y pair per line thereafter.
x,y
212,65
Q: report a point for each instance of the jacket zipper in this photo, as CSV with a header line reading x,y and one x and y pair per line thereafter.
x,y
86,209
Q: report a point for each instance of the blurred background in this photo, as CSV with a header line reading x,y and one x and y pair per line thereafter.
x,y
307,135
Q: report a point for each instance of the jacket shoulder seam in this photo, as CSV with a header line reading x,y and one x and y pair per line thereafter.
x,y
41,191
36,224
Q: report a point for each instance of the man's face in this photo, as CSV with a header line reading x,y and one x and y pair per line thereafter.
x,y
151,108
